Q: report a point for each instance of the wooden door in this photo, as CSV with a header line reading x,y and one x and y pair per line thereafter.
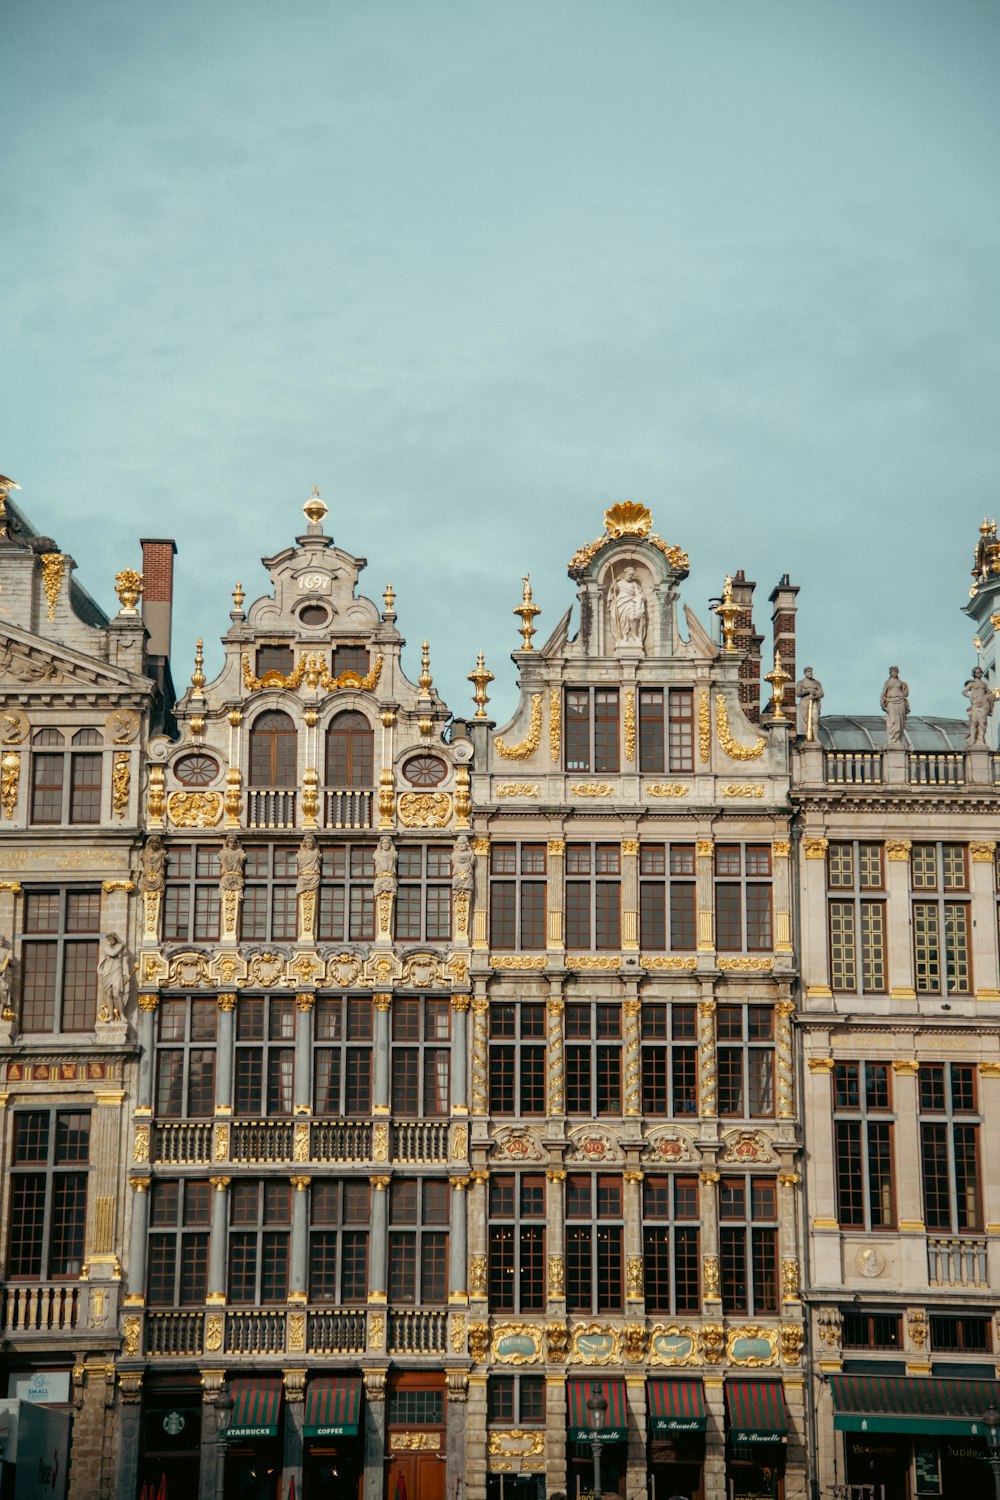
x,y
415,1476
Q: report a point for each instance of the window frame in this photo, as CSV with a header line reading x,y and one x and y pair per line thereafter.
x,y
863,1141
51,1191
52,978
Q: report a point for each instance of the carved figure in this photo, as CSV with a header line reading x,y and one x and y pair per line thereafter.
x,y
151,878
628,608
231,861
981,703
895,703
308,863
112,978
6,979
463,864
809,693
385,867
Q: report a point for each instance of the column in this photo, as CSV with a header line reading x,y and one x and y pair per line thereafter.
x,y
909,1203
555,1212
783,1013
630,895
455,1441
302,1090
814,937
147,1032
480,1051
213,1453
555,1433
458,1243
379,1242
292,1445
475,1437
299,1257
380,1078
984,921
900,946
634,1290
989,1109
480,914
788,1239
817,1126
707,1071
136,1268
554,1010
217,1242
555,934
715,1438
705,893
129,1423
631,1009
224,1055
460,1055
476,1231
708,1205
374,1409
781,849
635,1471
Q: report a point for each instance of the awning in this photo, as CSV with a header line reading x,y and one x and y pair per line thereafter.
x,y
677,1406
615,1428
755,1411
256,1405
333,1406
911,1403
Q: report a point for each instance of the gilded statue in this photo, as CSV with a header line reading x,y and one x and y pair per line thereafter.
x,y
809,693
895,701
981,702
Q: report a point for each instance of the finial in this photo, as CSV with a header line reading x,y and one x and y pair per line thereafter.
x,y
479,679
315,508
238,597
424,681
527,610
778,678
128,587
727,612
389,597
198,676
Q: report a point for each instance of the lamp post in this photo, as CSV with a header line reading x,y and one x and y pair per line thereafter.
x,y
991,1421
597,1406
223,1416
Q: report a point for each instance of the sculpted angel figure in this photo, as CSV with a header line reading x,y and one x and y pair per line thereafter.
x,y
981,702
895,701
628,608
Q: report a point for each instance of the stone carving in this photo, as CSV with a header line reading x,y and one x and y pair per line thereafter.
x,y
232,858
981,703
895,701
627,605
828,1324
556,1342
519,1144
916,1325
188,969
809,693
132,1329
713,1343
791,1343
424,809
14,725
195,809
479,1342
112,978
10,777
151,862
634,1342
308,863
6,980
463,864
24,668
529,745
385,882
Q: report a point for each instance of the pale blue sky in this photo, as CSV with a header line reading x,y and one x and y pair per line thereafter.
x,y
479,269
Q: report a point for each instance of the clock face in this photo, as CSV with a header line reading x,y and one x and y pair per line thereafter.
x,y
425,770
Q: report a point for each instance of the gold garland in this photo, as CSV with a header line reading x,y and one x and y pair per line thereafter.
x,y
630,724
555,723
704,727
527,746
313,670
732,747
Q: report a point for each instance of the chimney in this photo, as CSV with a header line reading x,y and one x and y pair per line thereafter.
x,y
748,644
783,608
158,592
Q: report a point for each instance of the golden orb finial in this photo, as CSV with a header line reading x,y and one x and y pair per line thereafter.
x,y
315,509
527,610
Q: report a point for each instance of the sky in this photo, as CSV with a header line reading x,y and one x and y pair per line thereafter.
x,y
480,268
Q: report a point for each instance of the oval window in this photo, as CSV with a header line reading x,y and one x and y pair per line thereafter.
x,y
196,770
312,615
425,770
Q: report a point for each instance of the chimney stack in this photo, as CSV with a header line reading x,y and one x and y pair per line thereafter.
x,y
158,592
748,644
783,609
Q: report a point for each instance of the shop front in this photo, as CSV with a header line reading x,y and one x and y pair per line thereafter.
x,y
756,1439
609,1431
170,1434
253,1440
333,1458
916,1436
676,1452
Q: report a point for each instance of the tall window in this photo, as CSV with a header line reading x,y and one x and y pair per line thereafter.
x,y
48,1194
667,897
666,729
185,1059
591,729
748,1240
423,899
949,1147
260,1217
59,953
269,905
517,896
857,918
421,1057
594,1243
342,1057
180,1215
593,1059
669,1059
515,1400
338,1241
274,657
265,1056
351,658
350,751
863,1145
273,750
743,898
418,1242
191,894
670,1244
66,785
593,896
939,879
346,902
517,1242
745,1060
517,1058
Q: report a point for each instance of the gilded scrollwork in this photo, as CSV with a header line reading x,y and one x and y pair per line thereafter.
x,y
555,725
424,809
10,780
527,746
630,725
732,747
195,809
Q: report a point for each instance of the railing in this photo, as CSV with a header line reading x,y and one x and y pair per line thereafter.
x,y
255,1333
180,1144
956,1262
419,1141
37,1309
261,1140
995,767
935,768
853,767
270,807
177,1333
348,809
417,1332
341,1140
335,1332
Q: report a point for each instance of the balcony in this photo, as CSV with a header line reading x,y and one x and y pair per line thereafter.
x,y
420,1141
255,1333
336,1331
417,1332
347,808
261,1140
853,767
957,1262
175,1333
935,768
270,807
39,1309
182,1144
341,1140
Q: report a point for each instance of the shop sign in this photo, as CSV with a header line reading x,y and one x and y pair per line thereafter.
x,y
512,1345
43,1386
752,1349
672,1345
927,1466
594,1345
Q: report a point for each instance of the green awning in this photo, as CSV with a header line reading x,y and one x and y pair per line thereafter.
x,y
755,1411
615,1428
911,1403
677,1406
333,1406
256,1407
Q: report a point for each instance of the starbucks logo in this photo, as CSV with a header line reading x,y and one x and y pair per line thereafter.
x,y
173,1423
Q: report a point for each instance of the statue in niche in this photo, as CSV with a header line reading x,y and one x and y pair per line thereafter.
x,y
809,693
308,862
895,701
385,867
628,609
6,979
463,864
112,978
981,702
232,858
151,861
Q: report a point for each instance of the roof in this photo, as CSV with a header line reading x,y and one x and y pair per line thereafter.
x,y
867,732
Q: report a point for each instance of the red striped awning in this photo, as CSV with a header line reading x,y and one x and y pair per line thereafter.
x,y
256,1407
755,1411
333,1406
615,1427
677,1406
911,1403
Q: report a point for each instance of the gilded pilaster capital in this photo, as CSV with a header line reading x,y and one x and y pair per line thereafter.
x,y
460,1002
148,1002
140,1184
379,1183
382,1000
220,1183
897,851
557,847
227,1000
305,1002
300,1184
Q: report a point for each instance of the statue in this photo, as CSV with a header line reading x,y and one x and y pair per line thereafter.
x,y
809,692
463,863
308,862
385,867
151,860
6,979
628,608
981,702
112,978
231,861
895,703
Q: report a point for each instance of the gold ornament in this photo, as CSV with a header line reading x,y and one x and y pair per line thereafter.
x,y
10,776
732,747
529,745
479,679
128,587
527,610
727,612
779,678
53,569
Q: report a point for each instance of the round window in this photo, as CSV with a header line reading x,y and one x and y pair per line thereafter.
x,y
313,615
196,770
425,770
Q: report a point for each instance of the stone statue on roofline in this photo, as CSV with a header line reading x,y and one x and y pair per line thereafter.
x,y
981,701
809,694
895,701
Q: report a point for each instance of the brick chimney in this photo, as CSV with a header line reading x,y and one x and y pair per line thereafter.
x,y
158,592
783,609
748,644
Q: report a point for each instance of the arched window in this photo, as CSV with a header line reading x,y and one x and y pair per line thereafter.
x,y
350,751
273,751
